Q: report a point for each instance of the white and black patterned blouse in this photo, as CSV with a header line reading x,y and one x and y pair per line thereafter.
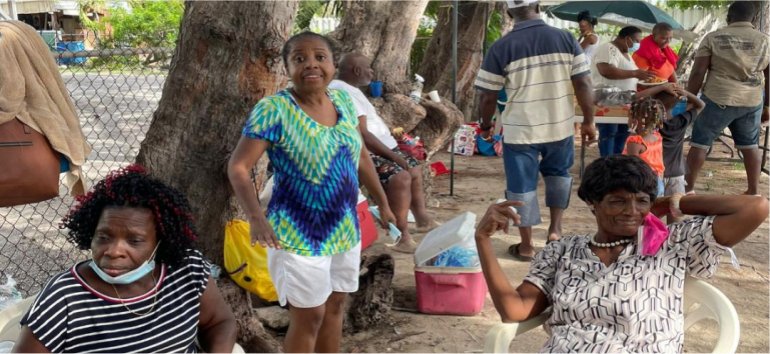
x,y
635,304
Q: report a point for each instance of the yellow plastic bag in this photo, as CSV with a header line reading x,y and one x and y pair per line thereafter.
x,y
247,264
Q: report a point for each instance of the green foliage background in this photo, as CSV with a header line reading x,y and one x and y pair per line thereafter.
x,y
149,24
695,4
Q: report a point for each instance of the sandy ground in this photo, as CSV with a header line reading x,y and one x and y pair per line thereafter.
x,y
479,181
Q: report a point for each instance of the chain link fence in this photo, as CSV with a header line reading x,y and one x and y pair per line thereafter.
x,y
115,92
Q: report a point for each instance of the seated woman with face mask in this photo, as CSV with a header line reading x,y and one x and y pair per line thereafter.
x,y
613,67
145,289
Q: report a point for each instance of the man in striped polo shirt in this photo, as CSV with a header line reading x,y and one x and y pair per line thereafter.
x,y
543,70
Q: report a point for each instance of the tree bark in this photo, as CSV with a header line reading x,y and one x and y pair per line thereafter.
x,y
227,58
687,51
436,66
438,127
762,21
370,305
383,31
399,111
252,336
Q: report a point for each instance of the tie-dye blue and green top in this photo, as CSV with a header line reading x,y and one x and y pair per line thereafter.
x,y
315,191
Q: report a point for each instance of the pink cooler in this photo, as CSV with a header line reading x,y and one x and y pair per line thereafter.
x,y
450,290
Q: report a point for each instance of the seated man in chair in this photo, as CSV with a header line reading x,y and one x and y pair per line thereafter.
x,y
399,173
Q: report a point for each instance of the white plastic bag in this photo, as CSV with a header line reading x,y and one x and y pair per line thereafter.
x,y
9,295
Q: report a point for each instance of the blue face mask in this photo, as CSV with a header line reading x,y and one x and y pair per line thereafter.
x,y
129,277
634,47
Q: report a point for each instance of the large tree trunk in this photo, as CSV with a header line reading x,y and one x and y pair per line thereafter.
x,y
436,66
687,51
384,31
370,305
227,58
252,336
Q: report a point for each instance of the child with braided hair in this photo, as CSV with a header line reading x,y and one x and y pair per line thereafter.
x,y
644,121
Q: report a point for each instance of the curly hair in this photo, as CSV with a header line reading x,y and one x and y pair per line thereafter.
x,y
617,172
648,113
132,187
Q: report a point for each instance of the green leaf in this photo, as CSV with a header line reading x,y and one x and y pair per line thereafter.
x,y
696,4
307,10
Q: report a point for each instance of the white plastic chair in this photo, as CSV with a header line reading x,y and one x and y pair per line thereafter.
x,y
10,328
10,317
712,304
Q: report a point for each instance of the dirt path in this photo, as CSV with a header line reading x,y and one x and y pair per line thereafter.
x,y
479,182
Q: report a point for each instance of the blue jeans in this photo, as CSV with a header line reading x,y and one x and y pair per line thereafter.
x,y
612,138
522,163
661,187
742,121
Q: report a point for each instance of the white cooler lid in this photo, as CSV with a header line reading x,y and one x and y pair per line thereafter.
x,y
452,232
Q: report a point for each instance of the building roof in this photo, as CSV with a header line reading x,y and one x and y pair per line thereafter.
x,y
29,6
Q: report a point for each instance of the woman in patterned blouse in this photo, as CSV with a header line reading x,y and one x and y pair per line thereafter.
x,y
312,137
606,294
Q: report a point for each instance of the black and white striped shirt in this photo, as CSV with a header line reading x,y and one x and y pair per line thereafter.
x,y
70,316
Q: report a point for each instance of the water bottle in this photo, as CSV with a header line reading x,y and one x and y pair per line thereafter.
x,y
416,94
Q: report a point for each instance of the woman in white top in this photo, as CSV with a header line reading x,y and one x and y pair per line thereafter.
x,y
588,39
612,66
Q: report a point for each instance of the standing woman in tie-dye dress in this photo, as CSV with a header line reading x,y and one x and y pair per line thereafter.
x,y
311,135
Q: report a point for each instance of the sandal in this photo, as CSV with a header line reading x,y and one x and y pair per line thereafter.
x,y
405,247
431,225
513,250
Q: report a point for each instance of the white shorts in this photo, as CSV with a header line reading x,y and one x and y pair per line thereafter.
x,y
674,185
307,281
